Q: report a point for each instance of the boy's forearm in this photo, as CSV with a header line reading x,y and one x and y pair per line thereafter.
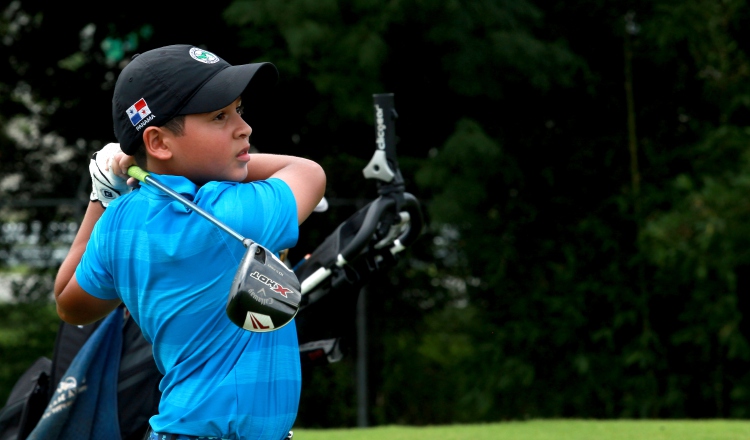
x,y
305,178
262,166
69,265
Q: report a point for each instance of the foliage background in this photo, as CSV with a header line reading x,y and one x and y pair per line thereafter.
x,y
583,166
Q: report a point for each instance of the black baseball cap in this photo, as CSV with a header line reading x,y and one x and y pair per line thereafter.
x,y
181,79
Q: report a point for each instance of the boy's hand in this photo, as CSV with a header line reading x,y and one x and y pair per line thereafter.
x,y
120,164
105,184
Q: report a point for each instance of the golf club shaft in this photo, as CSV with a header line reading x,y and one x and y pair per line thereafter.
x,y
143,176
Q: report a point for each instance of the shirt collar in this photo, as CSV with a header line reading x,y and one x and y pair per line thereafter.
x,y
180,184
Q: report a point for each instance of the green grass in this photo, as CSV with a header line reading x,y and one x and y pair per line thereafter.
x,y
547,430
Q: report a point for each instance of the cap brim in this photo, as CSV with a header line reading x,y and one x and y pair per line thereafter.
x,y
250,81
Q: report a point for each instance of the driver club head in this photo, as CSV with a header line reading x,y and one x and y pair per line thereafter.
x,y
265,293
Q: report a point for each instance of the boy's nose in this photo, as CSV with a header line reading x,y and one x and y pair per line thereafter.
x,y
244,129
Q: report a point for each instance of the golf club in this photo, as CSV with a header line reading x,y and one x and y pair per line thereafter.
x,y
265,293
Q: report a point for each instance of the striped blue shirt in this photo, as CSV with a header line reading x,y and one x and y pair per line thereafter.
x,y
173,270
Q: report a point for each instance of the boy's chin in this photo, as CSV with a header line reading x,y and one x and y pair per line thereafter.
x,y
236,177
241,177
226,177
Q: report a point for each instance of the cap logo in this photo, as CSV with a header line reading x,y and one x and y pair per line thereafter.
x,y
203,56
138,111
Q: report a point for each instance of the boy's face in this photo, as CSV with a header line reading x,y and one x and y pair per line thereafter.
x,y
214,146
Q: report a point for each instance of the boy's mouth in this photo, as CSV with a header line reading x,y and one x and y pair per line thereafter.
x,y
243,155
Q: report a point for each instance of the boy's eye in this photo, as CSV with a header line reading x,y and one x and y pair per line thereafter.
x,y
240,109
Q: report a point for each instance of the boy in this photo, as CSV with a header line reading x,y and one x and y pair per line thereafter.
x,y
177,110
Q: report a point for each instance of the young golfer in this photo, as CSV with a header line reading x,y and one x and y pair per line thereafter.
x,y
178,111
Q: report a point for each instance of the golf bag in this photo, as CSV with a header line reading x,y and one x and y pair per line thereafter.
x,y
137,382
138,379
368,242
26,402
332,276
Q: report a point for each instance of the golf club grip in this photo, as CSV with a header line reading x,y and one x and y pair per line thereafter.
x,y
137,173
143,176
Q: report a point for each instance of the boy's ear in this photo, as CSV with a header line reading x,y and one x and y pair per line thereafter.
x,y
156,143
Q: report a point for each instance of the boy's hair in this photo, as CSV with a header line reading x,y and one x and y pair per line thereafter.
x,y
176,125
176,80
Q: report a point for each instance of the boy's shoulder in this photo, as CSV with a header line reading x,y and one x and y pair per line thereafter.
x,y
272,185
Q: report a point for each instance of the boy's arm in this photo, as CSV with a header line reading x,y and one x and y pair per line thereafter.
x,y
306,178
74,305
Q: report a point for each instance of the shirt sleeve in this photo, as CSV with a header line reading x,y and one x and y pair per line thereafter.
x,y
92,273
264,211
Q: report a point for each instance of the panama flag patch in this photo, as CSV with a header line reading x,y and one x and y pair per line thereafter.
x,y
138,111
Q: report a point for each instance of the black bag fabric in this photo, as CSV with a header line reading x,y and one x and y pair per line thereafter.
x,y
26,402
326,319
84,403
137,391
138,384
138,380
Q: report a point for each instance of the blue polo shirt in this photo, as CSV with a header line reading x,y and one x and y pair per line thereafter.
x,y
173,270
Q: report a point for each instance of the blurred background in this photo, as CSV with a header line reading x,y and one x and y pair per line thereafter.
x,y
582,166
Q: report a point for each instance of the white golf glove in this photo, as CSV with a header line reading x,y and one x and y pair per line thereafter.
x,y
322,205
105,185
